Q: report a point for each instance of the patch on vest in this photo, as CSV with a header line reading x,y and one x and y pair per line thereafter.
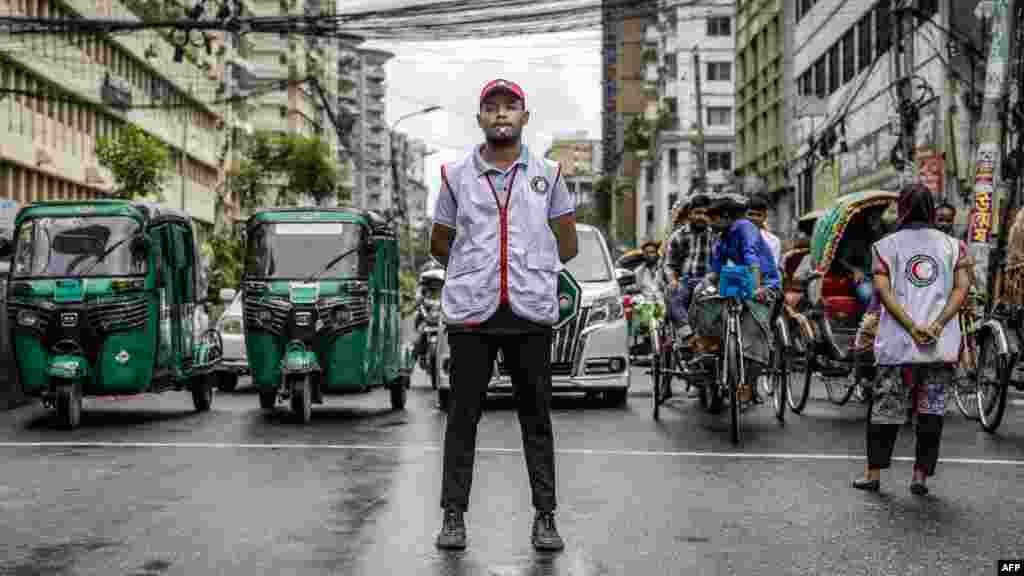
x,y
539,185
922,270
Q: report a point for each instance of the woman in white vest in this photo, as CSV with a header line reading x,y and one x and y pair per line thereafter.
x,y
922,280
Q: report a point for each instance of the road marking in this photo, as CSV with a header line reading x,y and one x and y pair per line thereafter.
x,y
496,450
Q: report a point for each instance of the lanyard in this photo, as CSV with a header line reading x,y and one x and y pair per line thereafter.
x,y
507,188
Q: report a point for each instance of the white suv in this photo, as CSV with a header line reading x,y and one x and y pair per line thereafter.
x,y
590,354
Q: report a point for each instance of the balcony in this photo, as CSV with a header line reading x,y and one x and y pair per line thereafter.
x,y
376,73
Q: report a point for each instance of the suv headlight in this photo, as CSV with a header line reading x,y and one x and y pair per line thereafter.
x,y
607,309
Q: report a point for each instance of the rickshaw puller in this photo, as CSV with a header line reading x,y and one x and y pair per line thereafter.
x,y
743,245
516,227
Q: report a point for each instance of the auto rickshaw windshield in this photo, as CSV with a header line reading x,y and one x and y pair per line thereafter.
x,y
71,246
297,250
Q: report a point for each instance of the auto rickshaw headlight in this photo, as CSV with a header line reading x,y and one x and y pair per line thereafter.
x,y
27,318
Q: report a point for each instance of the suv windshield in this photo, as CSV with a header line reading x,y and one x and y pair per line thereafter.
x,y
59,247
591,262
297,250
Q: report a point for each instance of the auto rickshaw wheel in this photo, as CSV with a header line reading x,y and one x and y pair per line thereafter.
x,y
227,382
302,398
398,390
202,392
268,398
69,404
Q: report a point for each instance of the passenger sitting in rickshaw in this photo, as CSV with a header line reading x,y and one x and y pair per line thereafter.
x,y
854,254
742,245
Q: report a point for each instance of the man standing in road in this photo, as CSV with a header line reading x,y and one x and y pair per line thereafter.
x,y
504,223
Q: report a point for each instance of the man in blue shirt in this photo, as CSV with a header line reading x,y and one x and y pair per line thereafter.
x,y
742,244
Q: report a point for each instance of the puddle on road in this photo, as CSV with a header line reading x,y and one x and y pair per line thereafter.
x,y
573,562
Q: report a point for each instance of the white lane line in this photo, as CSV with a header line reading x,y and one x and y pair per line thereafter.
x,y
495,450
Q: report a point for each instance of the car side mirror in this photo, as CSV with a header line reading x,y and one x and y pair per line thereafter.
x,y
227,295
625,277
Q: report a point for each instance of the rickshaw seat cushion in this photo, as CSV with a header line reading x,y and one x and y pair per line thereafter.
x,y
843,306
836,286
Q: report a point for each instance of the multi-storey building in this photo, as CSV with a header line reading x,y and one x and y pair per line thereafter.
x,y
623,99
371,140
763,34
411,188
73,90
846,58
682,37
580,159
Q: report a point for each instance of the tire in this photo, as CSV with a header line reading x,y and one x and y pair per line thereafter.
x,y
991,409
797,395
434,376
780,385
443,399
656,386
227,382
965,393
840,398
732,375
398,390
202,392
268,398
617,398
69,405
302,398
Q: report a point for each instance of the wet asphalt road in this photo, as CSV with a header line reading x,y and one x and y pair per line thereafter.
x,y
234,491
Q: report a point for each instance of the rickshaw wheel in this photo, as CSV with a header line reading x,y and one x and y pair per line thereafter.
x,y
398,393
797,402
302,398
228,382
991,410
202,392
268,398
69,405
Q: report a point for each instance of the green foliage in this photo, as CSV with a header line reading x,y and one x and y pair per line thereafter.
x,y
407,282
225,249
140,163
638,135
292,164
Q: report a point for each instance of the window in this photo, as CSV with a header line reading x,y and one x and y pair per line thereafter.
x,y
833,68
849,58
719,71
803,7
864,42
805,83
719,116
928,7
671,22
719,26
671,68
882,32
819,78
719,161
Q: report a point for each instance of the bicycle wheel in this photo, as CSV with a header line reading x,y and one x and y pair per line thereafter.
x,y
656,364
992,378
780,383
732,374
799,382
840,394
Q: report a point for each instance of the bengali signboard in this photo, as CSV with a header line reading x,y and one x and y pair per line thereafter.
x,y
984,191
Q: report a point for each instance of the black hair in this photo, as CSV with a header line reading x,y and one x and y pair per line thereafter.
x,y
699,201
945,205
758,202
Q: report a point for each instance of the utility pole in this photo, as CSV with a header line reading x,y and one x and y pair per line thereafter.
x,y
902,50
987,177
700,176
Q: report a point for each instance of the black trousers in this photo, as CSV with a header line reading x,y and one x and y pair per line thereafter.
x,y
528,356
882,439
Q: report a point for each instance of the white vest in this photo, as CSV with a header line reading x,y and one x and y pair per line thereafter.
x,y
472,287
922,266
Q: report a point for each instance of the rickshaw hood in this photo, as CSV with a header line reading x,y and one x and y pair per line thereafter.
x,y
831,226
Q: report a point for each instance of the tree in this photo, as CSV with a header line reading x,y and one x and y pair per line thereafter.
x,y
140,163
290,164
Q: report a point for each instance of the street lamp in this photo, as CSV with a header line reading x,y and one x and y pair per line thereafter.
x,y
394,164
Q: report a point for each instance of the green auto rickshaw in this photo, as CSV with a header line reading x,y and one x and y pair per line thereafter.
x,y
101,298
321,306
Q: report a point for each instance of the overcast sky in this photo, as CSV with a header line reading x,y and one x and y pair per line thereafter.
x,y
560,74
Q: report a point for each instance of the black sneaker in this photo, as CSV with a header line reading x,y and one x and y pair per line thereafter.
x,y
453,531
545,533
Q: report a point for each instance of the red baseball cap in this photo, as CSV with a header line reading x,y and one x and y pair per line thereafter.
x,y
500,85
